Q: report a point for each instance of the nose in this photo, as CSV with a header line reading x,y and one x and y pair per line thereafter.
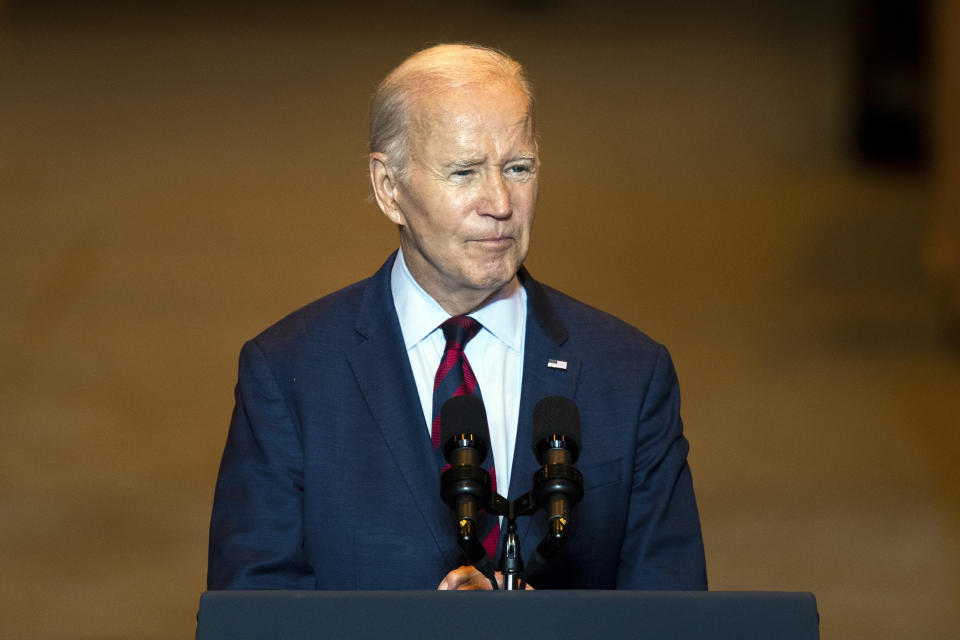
x,y
496,197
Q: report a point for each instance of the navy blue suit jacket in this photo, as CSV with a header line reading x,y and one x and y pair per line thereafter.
x,y
329,481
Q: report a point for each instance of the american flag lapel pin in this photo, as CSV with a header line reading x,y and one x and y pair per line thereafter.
x,y
556,364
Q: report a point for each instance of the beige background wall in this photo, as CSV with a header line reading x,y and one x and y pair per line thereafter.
x,y
174,179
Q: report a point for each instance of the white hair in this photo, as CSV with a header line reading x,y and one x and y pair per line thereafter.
x,y
427,73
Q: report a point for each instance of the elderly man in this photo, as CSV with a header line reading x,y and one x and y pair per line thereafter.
x,y
330,477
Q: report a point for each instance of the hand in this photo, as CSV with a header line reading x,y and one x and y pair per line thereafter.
x,y
467,578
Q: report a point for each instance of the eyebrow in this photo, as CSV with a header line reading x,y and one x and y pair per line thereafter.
x,y
474,162
464,164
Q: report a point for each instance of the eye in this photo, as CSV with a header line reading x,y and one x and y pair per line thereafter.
x,y
519,169
462,173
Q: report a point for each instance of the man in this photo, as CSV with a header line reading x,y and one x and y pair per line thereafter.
x,y
330,478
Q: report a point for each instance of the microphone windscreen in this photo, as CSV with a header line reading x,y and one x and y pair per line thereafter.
x,y
464,414
556,415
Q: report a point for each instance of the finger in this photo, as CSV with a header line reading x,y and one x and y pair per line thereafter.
x,y
456,578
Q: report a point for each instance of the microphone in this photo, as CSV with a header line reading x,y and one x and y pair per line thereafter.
x,y
465,486
557,485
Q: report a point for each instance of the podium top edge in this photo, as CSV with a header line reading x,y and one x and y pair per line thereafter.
x,y
581,593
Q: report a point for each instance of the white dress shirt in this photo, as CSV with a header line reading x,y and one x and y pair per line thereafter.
x,y
495,354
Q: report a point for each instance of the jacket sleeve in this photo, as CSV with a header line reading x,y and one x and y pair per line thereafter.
x,y
663,545
256,530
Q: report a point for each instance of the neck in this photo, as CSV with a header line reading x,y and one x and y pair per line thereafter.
x,y
464,305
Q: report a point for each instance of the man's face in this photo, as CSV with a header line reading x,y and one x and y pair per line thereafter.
x,y
467,203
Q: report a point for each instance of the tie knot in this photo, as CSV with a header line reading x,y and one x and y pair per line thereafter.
x,y
458,331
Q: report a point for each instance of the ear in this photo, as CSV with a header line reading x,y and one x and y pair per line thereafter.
x,y
385,185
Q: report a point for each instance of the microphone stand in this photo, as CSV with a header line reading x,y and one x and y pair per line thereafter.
x,y
552,478
512,564
458,482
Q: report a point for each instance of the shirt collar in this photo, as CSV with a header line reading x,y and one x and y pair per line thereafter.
x,y
419,314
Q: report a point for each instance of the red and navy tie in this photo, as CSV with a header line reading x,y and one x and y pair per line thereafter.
x,y
455,377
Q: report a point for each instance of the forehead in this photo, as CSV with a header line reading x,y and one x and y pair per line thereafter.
x,y
472,118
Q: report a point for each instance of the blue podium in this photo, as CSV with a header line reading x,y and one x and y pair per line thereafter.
x,y
530,615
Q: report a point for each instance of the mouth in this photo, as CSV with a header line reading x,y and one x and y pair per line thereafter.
x,y
494,241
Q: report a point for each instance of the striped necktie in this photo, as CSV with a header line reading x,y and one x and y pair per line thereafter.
x,y
455,377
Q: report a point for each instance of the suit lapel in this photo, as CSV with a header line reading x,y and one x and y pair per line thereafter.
x,y
382,370
546,339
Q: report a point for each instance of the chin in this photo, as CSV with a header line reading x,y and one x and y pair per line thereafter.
x,y
493,279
